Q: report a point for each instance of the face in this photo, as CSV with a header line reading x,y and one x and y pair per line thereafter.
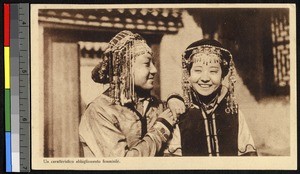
x,y
205,74
144,69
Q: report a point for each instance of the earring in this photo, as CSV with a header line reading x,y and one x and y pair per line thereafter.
x,y
186,86
232,106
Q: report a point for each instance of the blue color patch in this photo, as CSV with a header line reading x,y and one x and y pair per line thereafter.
x,y
8,151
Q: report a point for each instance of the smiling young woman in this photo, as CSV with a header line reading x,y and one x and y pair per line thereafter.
x,y
212,124
125,120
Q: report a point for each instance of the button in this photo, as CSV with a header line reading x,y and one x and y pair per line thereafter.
x,y
166,136
162,130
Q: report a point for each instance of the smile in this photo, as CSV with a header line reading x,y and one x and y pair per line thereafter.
x,y
205,85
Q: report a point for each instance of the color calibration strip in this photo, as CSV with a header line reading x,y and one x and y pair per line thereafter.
x,y
14,89
23,71
7,87
17,87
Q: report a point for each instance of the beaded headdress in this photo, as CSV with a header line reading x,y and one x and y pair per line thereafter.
x,y
217,54
117,66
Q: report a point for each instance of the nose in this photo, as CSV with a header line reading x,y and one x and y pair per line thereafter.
x,y
153,69
204,81
204,77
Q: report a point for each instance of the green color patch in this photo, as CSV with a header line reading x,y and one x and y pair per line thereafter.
x,y
7,110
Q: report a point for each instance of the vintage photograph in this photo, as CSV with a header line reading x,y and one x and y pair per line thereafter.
x,y
185,84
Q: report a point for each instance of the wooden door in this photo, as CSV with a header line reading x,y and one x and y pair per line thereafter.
x,y
62,99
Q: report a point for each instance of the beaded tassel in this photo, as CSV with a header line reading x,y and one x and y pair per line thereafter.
x,y
111,84
117,66
232,106
123,77
133,96
117,71
186,86
126,77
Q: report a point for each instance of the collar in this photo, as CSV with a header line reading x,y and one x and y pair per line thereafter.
x,y
209,108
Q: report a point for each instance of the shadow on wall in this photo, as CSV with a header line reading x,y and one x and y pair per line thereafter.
x,y
88,88
268,121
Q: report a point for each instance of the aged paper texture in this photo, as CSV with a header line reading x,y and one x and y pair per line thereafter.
x,y
65,39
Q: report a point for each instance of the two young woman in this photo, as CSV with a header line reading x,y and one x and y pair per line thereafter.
x,y
127,121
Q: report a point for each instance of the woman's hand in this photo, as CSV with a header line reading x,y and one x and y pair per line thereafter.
x,y
176,106
167,115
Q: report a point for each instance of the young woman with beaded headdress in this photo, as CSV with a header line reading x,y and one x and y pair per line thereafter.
x,y
210,122
125,120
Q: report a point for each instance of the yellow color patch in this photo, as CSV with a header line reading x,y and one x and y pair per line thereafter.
x,y
7,67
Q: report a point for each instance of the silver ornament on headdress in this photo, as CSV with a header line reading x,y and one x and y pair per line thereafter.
x,y
231,105
186,85
118,62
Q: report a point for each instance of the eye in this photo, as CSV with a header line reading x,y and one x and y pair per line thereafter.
x,y
214,70
198,70
147,64
154,62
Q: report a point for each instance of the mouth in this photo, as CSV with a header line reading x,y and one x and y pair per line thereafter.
x,y
205,85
